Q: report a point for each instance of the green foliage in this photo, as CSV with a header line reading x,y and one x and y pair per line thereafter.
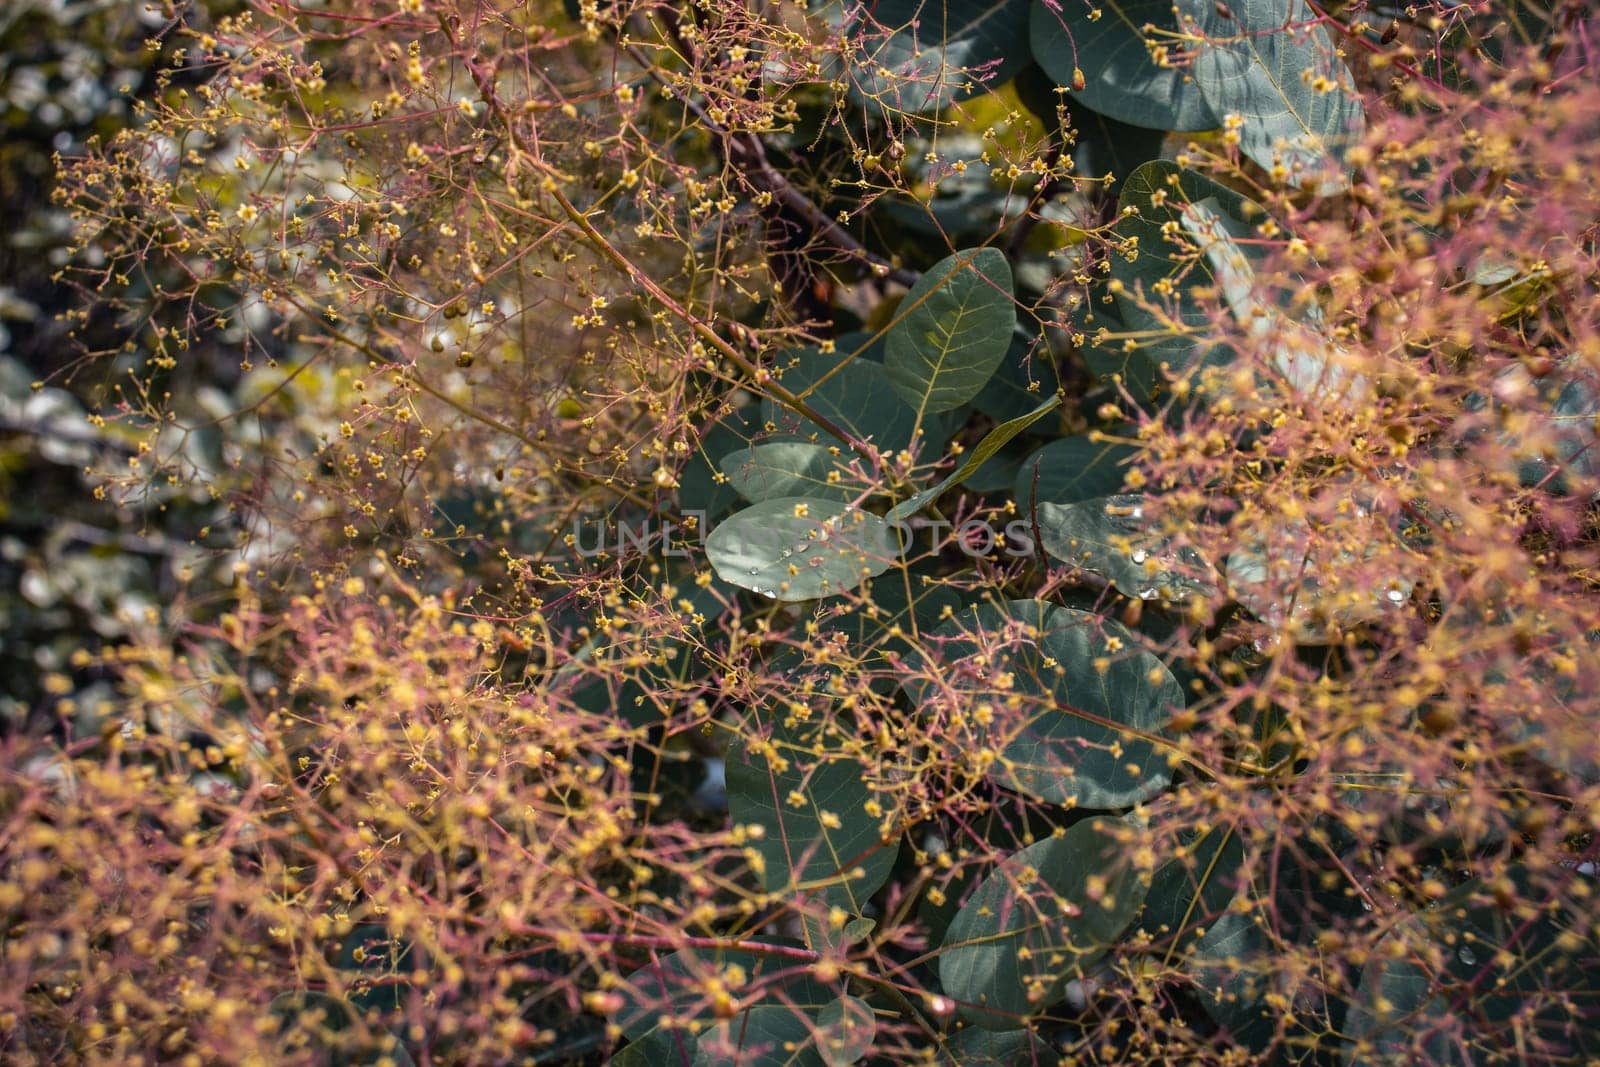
x,y
929,58
789,468
1091,741
992,443
1072,469
1114,538
800,548
1046,914
817,840
952,330
856,395
983,532
1111,47
1274,67
1157,283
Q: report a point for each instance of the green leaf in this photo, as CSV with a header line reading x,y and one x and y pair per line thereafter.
x,y
1288,84
1187,893
1045,913
819,842
853,392
1176,329
1088,701
858,930
1111,362
999,472
953,329
1237,965
1071,469
845,1031
1111,537
992,442
938,52
1120,78
791,468
1232,967
800,548
892,609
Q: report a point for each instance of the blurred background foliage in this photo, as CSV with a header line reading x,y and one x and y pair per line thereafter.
x,y
77,568
329,567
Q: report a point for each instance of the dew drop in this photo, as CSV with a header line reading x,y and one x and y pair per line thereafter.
x,y
1140,555
803,547
1467,956
755,570
1395,596
785,554
1137,513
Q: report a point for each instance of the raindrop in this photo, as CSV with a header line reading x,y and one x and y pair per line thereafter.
x,y
755,570
1139,555
785,554
1137,513
803,547
1467,956
1395,596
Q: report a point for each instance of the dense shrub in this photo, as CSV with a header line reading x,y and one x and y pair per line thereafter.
x,y
992,533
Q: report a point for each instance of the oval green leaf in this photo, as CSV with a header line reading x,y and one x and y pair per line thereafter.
x,y
800,548
937,53
1111,537
845,1031
1177,329
675,986
818,842
791,468
952,330
1086,701
853,392
1274,65
1107,41
1045,913
992,442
